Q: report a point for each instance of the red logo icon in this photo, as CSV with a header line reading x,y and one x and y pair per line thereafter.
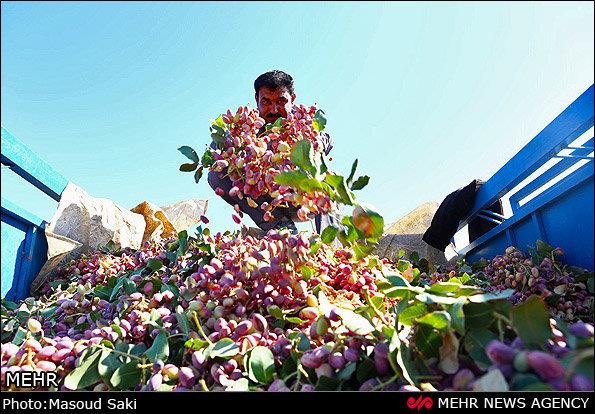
x,y
420,402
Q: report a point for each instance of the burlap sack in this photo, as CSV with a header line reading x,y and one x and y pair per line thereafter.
x,y
83,223
406,234
185,214
158,226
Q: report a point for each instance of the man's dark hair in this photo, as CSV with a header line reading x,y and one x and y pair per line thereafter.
x,y
273,80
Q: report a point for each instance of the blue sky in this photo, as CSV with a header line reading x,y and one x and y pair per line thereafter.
x,y
428,96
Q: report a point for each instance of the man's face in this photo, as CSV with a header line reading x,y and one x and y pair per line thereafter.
x,y
274,103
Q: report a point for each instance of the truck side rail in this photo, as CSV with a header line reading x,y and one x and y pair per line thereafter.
x,y
24,247
549,184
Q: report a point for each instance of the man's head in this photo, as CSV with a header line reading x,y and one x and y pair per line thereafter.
x,y
274,94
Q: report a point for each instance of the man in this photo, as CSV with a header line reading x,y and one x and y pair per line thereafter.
x,y
275,97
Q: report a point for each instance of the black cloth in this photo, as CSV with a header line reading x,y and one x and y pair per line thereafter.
x,y
455,207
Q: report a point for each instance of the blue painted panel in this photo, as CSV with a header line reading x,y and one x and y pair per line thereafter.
x,y
30,166
569,125
496,246
570,227
562,215
547,176
8,207
24,252
13,246
525,233
24,246
566,214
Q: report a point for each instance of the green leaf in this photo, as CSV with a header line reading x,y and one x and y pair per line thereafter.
x,y
319,122
278,122
195,344
543,248
129,286
307,272
360,183
172,288
189,153
444,287
314,248
85,375
430,299
261,365
478,315
217,134
405,361
242,384
298,180
474,291
207,158
352,233
276,312
183,323
338,183
411,313
475,343
137,350
354,322
188,167
224,348
20,336
457,316
397,279
347,372
428,341
304,343
288,367
362,250
198,174
117,288
159,349
368,221
530,320
520,381
103,292
47,313
126,377
584,362
301,156
485,297
325,383
295,320
352,173
183,247
107,364
398,292
365,370
9,304
220,122
439,320
538,386
329,234
154,264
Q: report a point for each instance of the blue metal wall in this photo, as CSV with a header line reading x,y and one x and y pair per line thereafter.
x,y
24,246
561,215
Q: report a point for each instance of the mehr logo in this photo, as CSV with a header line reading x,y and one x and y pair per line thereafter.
x,y
31,379
420,403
